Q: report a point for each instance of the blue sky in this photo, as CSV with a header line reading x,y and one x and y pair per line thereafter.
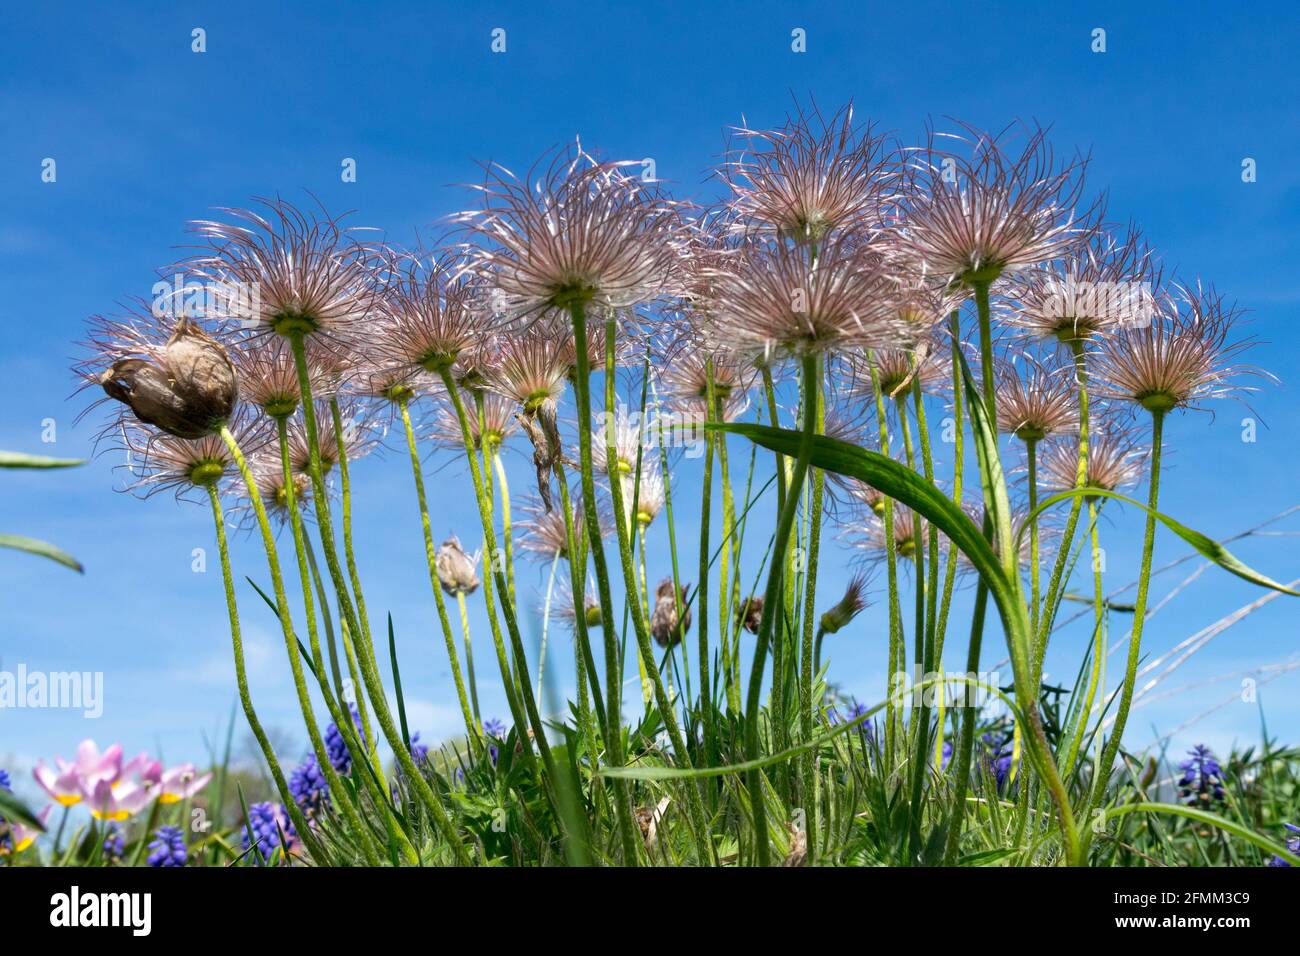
x,y
147,134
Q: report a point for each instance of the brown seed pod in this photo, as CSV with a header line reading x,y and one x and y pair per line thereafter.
x,y
749,613
456,568
186,390
663,622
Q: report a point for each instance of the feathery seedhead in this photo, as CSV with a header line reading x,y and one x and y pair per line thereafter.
x,y
864,494
869,535
163,462
976,214
268,376
312,275
1180,359
560,329
921,301
1105,284
456,569
542,532
1034,401
386,381
1116,459
530,368
896,369
651,494
497,425
357,439
627,444
810,177
432,312
770,300
565,609
575,232
268,475
684,366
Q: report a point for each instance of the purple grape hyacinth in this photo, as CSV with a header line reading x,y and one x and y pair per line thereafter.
x,y
267,821
998,752
309,787
497,731
114,843
6,841
1202,780
1292,844
167,848
337,748
419,751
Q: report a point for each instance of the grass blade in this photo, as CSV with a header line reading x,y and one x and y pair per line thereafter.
x,y
42,549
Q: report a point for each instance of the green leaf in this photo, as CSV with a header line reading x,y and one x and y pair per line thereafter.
x,y
676,773
986,857
1206,546
253,846
270,602
889,478
1211,819
41,548
992,480
397,682
11,808
16,459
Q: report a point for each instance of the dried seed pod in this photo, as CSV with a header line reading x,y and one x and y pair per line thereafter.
x,y
749,613
456,568
186,390
663,622
798,855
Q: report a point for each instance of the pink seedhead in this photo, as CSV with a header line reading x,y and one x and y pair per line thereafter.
x,y
158,462
769,300
268,377
530,368
574,232
1109,282
685,364
979,210
431,314
1035,400
811,176
311,274
1183,358
1116,459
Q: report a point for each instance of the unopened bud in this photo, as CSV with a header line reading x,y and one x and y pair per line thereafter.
x,y
847,609
592,611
